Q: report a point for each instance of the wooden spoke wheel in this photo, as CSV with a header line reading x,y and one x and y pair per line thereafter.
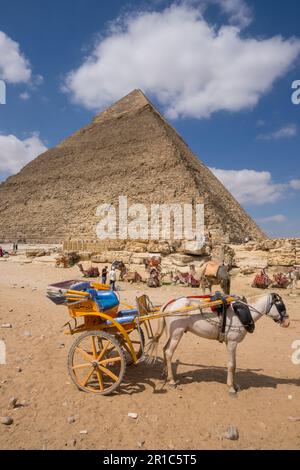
x,y
138,343
97,362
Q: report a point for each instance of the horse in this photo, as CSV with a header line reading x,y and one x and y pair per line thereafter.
x,y
208,325
212,274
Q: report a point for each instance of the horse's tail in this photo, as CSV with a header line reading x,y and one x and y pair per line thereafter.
x,y
152,345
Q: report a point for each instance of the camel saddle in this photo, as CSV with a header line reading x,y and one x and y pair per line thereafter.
x,y
211,269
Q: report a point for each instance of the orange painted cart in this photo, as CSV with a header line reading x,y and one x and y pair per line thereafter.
x,y
111,336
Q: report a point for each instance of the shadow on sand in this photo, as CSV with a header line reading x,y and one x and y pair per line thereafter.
x,y
141,375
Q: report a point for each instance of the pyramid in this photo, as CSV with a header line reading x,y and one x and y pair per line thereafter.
x,y
129,149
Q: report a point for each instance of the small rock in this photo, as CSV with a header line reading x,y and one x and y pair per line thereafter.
x,y
61,346
24,403
27,334
84,431
133,415
19,369
6,325
294,419
71,419
11,310
72,443
7,420
232,433
12,403
140,444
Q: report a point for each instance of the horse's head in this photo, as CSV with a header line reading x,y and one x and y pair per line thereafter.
x,y
277,311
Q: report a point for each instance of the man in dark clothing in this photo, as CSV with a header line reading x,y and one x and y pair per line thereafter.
x,y
104,275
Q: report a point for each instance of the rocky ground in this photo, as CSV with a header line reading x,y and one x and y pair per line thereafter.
x,y
50,413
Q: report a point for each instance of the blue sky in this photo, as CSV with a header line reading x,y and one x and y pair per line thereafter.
x,y
220,70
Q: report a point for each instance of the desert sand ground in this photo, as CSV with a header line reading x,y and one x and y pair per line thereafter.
x,y
193,416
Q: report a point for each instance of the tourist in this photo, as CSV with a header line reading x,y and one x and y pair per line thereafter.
x,y
1,252
112,278
104,275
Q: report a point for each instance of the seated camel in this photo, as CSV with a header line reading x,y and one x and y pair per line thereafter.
x,y
132,277
89,272
187,279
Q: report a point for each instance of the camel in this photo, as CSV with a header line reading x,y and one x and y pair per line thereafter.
x,y
132,277
294,277
117,264
187,279
212,274
152,262
207,324
154,278
89,272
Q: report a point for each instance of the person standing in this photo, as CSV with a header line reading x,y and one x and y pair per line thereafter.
x,y
112,278
104,274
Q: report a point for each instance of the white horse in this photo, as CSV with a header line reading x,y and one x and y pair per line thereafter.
x,y
208,325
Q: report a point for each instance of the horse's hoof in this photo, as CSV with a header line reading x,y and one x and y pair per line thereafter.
x,y
232,392
172,385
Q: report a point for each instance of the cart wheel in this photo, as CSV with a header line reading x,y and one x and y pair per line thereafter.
x,y
138,343
96,362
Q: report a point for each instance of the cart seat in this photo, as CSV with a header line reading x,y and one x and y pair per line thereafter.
x,y
125,316
124,313
106,299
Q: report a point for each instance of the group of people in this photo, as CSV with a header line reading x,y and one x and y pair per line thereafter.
x,y
112,277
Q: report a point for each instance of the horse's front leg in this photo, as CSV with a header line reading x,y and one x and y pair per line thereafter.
x,y
169,350
231,350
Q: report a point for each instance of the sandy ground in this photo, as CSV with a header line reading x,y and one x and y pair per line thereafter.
x,y
194,416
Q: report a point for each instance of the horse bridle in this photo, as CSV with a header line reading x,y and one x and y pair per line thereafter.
x,y
279,304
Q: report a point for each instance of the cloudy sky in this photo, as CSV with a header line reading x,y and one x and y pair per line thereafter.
x,y
220,70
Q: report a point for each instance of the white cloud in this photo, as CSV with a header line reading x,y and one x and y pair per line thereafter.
x,y
278,218
190,67
285,132
24,96
254,187
14,67
239,12
295,184
15,153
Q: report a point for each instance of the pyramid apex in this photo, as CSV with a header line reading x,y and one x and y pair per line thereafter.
x,y
132,102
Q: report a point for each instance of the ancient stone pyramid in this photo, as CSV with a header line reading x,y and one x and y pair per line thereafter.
x,y
129,149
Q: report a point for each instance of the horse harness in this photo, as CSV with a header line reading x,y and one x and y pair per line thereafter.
x,y
242,311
